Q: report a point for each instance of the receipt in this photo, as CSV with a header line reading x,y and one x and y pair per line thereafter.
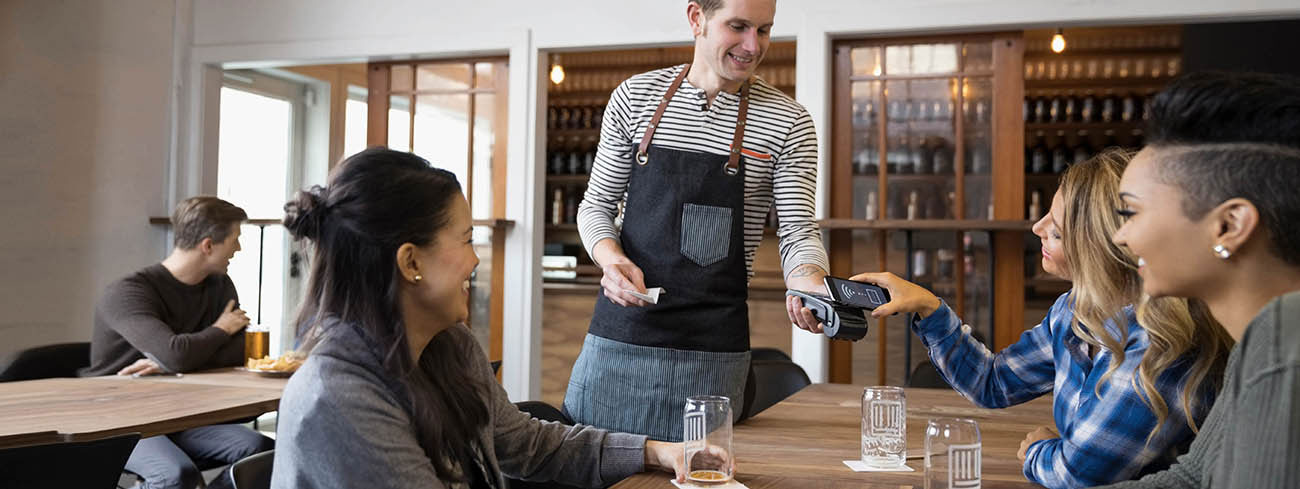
x,y
651,294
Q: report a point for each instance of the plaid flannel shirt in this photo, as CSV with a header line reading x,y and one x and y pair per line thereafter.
x,y
1103,435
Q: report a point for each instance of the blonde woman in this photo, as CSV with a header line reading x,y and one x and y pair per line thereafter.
x,y
1127,401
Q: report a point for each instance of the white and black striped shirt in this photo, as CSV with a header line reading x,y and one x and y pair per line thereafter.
x,y
780,158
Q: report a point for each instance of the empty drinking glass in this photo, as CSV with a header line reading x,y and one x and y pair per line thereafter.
x,y
952,454
884,426
707,439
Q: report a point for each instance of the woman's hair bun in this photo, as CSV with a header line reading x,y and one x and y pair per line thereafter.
x,y
304,216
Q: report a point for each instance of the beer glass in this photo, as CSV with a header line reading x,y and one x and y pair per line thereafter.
x,y
884,427
257,341
952,454
706,424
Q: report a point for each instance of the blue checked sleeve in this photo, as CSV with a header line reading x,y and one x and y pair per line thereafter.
x,y
1019,373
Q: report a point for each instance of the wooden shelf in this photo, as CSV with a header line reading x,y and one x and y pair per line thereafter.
x,y
568,178
926,224
1135,126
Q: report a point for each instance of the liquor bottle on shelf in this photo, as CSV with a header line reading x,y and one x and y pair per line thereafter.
x,y
913,205
1041,160
922,157
1035,205
870,211
943,159
1070,109
557,206
920,262
1088,108
571,207
1108,109
1081,151
1024,111
1060,156
946,259
1040,110
552,116
1128,113
1054,110
563,119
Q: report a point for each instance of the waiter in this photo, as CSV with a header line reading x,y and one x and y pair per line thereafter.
x,y
690,160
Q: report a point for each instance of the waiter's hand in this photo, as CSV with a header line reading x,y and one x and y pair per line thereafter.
x,y
805,278
904,296
620,277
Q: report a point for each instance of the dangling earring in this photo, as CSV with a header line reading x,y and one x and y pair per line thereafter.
x,y
1221,252
417,278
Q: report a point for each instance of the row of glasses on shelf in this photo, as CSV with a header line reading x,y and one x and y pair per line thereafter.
x,y
1102,67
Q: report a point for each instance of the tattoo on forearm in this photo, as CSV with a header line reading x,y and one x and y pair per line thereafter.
x,y
806,271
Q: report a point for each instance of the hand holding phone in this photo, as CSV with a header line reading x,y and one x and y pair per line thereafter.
x,y
854,293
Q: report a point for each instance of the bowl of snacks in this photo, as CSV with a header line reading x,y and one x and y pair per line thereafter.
x,y
282,366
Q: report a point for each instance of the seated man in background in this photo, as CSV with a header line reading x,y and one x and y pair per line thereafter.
x,y
180,315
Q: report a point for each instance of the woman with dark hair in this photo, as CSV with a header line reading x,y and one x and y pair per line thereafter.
x,y
1127,400
1211,209
396,392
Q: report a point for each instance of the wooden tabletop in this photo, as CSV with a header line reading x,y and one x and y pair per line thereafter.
x,y
803,441
51,410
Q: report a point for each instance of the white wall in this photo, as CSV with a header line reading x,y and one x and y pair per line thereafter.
x,y
83,148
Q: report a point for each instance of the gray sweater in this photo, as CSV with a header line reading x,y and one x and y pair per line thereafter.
x,y
151,313
1251,438
343,425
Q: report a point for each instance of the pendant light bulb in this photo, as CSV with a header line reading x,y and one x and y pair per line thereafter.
x,y
1058,42
557,73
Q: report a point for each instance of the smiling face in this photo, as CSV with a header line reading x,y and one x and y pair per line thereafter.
x,y
446,265
1173,251
732,40
1048,231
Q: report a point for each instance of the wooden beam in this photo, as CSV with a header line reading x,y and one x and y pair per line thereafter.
x,y
841,179
377,83
1008,188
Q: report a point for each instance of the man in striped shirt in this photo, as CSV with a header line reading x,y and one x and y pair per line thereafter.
x,y
691,158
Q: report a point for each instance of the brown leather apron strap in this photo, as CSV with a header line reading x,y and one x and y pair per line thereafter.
x,y
641,156
737,138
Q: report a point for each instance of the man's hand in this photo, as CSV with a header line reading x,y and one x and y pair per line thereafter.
x,y
1042,433
620,274
805,278
666,457
143,366
232,320
904,296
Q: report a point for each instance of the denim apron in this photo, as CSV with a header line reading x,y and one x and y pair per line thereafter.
x,y
683,225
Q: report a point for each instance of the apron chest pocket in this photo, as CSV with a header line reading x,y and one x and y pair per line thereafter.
x,y
706,233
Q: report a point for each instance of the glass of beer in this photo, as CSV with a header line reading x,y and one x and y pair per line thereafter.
x,y
706,423
884,427
257,341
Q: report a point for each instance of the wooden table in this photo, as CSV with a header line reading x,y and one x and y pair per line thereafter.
x,y
803,441
51,410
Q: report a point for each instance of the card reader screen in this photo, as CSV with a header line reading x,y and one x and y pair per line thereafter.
x,y
855,293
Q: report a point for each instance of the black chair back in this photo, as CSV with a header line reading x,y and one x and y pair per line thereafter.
x,y
926,375
769,354
94,464
43,362
253,471
773,381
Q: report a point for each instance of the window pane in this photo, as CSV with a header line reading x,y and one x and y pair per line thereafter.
x,y
354,127
442,76
399,122
485,75
401,79
480,289
485,117
921,59
866,61
442,133
977,56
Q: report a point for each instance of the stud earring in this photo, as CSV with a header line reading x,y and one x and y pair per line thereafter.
x,y
417,278
1221,252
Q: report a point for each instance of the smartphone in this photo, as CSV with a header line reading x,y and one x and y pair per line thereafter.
x,y
854,293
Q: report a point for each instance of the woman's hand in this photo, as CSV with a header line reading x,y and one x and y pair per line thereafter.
x,y
904,296
1042,433
666,457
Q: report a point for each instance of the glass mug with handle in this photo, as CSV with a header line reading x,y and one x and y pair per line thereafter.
x,y
952,454
706,423
884,427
